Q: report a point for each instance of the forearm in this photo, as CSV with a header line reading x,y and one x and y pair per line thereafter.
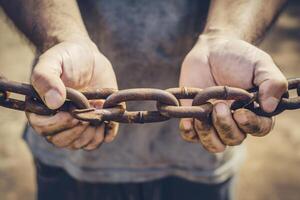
x,y
245,19
46,22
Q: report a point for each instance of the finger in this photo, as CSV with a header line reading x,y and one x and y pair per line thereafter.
x,y
253,124
65,138
187,131
111,130
208,136
97,140
86,137
46,80
186,125
49,125
226,127
272,83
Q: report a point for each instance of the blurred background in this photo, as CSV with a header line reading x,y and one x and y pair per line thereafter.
x,y
271,170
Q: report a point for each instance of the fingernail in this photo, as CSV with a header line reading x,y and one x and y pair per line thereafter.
x,y
270,104
53,99
186,125
190,135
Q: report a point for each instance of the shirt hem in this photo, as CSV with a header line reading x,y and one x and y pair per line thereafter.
x,y
131,175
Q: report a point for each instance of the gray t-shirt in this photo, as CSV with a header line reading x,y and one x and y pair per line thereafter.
x,y
146,42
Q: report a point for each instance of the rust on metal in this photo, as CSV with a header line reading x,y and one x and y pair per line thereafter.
x,y
140,94
167,101
199,112
223,93
80,101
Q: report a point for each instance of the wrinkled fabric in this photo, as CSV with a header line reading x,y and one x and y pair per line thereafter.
x,y
55,183
146,41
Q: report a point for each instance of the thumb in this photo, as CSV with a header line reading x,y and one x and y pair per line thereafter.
x,y
272,83
46,81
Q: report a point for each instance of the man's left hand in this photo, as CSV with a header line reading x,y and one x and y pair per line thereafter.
x,y
225,60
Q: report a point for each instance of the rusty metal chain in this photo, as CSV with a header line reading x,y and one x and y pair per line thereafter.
x,y
167,102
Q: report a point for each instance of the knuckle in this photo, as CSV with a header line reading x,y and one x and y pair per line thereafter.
x,y
70,121
202,126
250,127
247,121
232,139
211,143
84,139
222,124
38,77
281,84
59,141
265,128
227,131
228,135
211,147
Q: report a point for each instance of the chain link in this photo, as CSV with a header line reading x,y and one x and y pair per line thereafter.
x,y
167,102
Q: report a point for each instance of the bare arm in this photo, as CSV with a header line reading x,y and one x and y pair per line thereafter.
x,y
46,22
69,58
245,19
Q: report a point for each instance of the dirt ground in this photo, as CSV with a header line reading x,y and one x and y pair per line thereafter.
x,y
271,170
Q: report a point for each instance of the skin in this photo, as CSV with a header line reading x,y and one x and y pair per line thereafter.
x,y
68,58
225,55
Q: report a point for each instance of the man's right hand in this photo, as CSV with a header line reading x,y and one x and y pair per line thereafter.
x,y
77,64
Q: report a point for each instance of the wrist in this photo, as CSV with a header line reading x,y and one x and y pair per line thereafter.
x,y
213,32
53,39
226,32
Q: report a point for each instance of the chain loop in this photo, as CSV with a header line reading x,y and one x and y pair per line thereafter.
x,y
167,102
171,111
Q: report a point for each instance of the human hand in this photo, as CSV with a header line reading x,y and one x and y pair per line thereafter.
x,y
224,60
77,64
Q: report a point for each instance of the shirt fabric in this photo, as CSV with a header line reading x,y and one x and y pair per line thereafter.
x,y
146,42
53,183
